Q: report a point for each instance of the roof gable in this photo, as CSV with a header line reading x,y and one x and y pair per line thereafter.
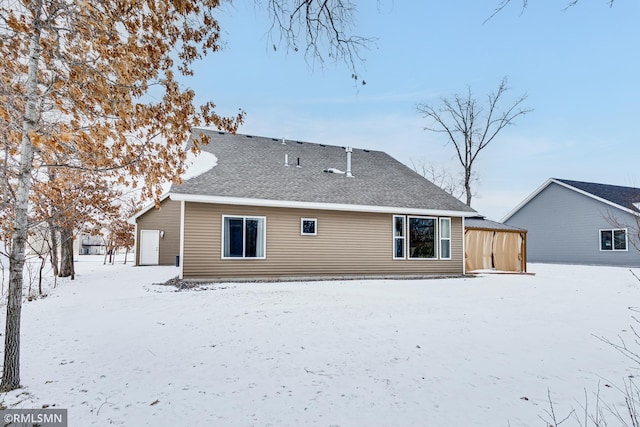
x,y
619,197
253,168
146,208
624,197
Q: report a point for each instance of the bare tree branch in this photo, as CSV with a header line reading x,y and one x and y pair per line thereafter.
x,y
471,127
440,176
322,26
525,3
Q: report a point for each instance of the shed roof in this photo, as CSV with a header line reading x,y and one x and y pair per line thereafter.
x,y
251,169
486,224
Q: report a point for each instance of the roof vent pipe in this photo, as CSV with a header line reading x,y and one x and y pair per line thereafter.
x,y
298,165
283,141
349,150
286,160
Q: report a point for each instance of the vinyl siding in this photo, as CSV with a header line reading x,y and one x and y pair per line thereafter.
x,y
346,244
167,219
564,227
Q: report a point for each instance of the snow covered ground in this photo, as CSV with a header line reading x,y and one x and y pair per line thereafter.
x,y
113,348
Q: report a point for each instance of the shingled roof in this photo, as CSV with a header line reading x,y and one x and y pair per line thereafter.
x,y
252,168
624,198
481,223
621,196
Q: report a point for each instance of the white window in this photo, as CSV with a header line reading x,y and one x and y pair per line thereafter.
x,y
445,238
423,237
308,226
399,233
243,236
417,237
613,240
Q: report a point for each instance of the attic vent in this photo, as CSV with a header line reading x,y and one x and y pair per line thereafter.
x,y
221,133
367,151
322,145
299,142
334,170
249,136
274,139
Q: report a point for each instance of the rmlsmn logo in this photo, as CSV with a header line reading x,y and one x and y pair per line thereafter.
x,y
31,417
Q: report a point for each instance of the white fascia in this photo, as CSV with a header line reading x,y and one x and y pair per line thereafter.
x,y
315,205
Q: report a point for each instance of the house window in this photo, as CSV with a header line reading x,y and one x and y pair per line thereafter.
x,y
399,231
422,237
445,238
243,237
308,226
613,240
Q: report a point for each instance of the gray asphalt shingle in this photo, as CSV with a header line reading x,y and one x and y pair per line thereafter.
x,y
487,224
253,167
623,196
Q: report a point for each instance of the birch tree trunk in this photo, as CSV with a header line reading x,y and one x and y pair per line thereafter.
x,y
11,371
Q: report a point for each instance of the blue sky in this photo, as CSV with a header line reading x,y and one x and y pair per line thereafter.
x,y
579,67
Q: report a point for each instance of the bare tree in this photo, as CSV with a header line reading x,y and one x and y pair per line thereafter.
x,y
440,176
471,126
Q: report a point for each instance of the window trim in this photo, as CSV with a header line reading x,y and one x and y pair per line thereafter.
x,y
244,218
613,249
436,238
315,227
444,238
403,237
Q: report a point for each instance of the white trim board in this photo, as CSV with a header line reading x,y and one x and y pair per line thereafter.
x,y
315,205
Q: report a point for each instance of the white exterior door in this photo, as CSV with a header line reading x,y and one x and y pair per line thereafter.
x,y
149,247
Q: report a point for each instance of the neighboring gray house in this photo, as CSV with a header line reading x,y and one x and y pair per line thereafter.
x,y
269,208
576,222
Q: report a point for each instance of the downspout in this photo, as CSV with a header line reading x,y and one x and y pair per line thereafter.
x,y
135,245
182,209
464,249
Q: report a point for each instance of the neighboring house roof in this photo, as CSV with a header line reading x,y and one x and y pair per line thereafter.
x,y
480,223
251,170
623,198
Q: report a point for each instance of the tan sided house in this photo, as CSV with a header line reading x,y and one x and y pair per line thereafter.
x,y
270,209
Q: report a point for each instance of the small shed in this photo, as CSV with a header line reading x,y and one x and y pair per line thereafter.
x,y
491,245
